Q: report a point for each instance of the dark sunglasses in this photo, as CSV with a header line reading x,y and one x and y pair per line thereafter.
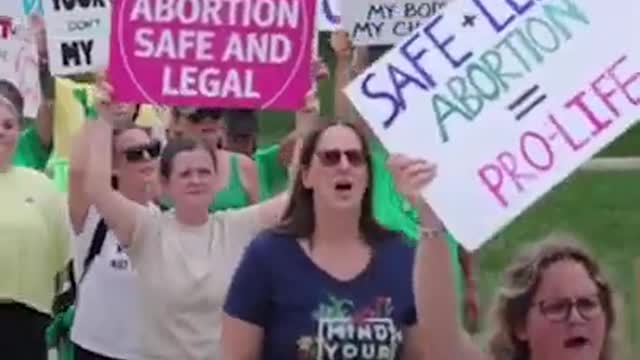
x,y
143,152
331,158
559,310
199,115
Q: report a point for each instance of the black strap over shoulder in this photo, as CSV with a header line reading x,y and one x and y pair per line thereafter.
x,y
67,298
99,235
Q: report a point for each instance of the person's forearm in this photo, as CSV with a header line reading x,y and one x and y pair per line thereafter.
x,y
44,123
342,76
98,178
435,288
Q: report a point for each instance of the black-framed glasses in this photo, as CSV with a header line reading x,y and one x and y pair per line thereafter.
x,y
333,157
143,152
559,310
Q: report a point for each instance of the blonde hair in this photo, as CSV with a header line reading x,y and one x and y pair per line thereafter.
x,y
520,283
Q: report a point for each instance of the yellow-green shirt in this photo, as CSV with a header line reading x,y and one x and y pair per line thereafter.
x,y
34,238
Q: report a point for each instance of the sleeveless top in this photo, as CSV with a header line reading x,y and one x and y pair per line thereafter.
x,y
233,195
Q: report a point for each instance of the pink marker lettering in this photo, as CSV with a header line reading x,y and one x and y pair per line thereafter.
x,y
5,27
579,102
509,164
573,144
529,139
605,96
624,85
493,178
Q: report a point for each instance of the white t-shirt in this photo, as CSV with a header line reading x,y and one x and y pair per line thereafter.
x,y
184,273
107,310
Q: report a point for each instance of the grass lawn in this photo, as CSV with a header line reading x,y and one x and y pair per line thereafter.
x,y
626,145
603,208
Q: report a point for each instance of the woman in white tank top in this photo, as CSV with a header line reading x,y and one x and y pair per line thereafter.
x,y
107,308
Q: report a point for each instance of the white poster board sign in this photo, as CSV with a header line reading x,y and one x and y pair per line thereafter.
x,y
507,97
385,22
328,15
19,64
77,35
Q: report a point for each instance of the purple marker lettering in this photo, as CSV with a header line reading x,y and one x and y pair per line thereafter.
x,y
495,23
442,46
414,57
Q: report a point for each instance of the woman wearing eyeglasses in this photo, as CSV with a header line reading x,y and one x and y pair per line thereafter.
x,y
33,242
554,303
329,282
107,309
238,177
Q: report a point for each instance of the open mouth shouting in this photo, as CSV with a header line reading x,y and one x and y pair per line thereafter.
x,y
577,342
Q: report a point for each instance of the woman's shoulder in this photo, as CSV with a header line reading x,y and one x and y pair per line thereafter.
x,y
32,175
397,248
272,244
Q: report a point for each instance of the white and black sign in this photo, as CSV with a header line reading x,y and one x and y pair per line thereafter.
x,y
328,15
385,22
19,64
78,35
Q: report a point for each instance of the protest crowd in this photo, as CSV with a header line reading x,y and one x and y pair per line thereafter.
x,y
160,231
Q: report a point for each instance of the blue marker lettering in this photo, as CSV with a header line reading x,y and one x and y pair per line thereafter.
x,y
401,80
520,8
497,26
366,91
442,46
413,59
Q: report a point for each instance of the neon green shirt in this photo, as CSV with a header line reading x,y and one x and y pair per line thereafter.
x,y
30,152
34,237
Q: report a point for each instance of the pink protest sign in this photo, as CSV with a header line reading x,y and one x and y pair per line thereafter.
x,y
226,53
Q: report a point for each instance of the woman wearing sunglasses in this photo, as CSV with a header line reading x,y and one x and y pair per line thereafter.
x,y
106,278
329,282
184,258
33,242
237,174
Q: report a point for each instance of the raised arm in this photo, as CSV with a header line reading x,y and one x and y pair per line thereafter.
x,y
434,285
436,302
44,118
119,212
78,199
343,51
249,177
271,211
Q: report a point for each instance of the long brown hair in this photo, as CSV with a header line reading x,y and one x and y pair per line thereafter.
x,y
299,219
521,281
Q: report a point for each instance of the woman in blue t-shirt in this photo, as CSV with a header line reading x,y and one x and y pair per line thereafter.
x,y
329,282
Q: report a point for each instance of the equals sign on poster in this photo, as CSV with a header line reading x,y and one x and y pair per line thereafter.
x,y
526,102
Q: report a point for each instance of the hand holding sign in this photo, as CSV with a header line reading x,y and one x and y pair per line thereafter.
x,y
412,176
341,45
103,98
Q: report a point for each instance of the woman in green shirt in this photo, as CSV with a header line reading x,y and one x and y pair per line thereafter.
x,y
238,185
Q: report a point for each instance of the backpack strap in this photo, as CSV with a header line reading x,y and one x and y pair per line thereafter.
x,y
96,246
